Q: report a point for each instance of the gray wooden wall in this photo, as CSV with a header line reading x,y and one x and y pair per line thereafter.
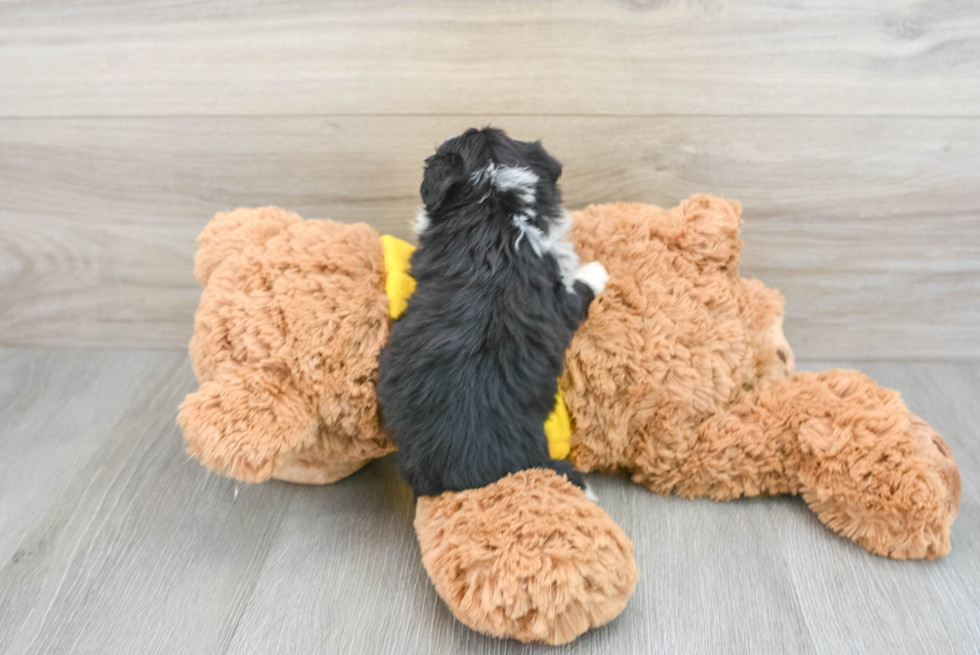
x,y
849,131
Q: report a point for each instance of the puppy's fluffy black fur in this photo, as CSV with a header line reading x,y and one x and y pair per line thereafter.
x,y
470,371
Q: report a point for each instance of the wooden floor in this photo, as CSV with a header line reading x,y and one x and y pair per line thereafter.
x,y
113,541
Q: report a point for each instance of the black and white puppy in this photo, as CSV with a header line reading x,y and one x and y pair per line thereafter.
x,y
470,371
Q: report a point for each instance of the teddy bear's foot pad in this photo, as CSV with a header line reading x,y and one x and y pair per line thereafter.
x,y
293,467
528,557
897,497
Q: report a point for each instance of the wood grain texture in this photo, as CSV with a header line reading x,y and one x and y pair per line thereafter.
x,y
137,549
870,227
55,408
626,57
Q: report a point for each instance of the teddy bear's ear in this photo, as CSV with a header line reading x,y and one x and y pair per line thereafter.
x,y
708,228
228,233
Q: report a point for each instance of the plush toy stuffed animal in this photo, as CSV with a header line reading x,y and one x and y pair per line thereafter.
x,y
681,377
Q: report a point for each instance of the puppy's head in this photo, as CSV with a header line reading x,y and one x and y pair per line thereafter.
x,y
519,179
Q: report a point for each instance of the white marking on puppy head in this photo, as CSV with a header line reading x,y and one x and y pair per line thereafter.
x,y
421,221
521,180
483,174
511,178
595,275
590,495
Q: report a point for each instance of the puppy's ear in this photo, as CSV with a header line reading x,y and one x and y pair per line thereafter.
x,y
443,171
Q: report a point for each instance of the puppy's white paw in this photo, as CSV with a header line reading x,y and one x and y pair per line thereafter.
x,y
591,495
593,274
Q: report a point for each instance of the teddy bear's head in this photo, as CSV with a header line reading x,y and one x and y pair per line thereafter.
x,y
676,337
285,346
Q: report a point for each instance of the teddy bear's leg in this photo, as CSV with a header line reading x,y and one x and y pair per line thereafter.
x,y
239,422
878,474
527,557
871,470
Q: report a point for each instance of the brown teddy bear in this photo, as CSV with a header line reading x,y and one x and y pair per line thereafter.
x,y
681,377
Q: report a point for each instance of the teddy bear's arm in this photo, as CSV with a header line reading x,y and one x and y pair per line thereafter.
x,y
242,420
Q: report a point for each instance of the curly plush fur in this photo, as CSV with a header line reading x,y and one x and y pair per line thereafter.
x,y
681,377
285,346
528,557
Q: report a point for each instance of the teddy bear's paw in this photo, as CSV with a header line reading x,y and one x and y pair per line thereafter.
x,y
939,458
890,485
240,422
528,557
306,467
